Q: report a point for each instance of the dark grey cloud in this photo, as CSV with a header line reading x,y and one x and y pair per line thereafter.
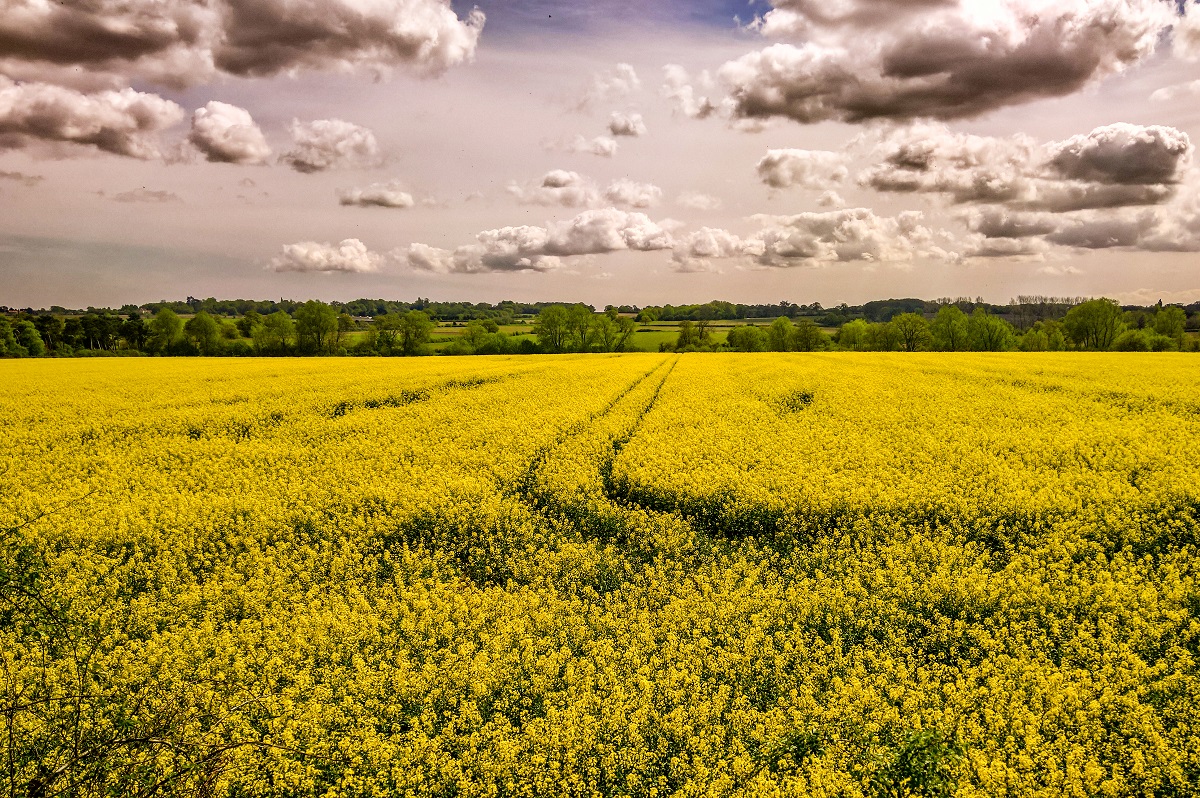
x,y
227,134
806,17
1104,232
185,42
1115,166
330,144
122,122
1000,223
266,37
1008,248
22,178
940,60
1124,154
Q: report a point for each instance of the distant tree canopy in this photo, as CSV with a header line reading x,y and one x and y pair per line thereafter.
x,y
199,327
951,330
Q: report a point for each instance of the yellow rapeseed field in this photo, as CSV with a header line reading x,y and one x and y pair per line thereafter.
x,y
650,575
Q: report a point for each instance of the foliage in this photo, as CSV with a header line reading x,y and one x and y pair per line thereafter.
x,y
949,329
1094,324
913,331
166,331
316,328
747,338
552,328
204,332
988,333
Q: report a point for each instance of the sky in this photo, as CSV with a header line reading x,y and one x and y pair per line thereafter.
x,y
608,152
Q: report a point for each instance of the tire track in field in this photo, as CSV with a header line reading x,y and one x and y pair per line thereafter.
x,y
606,468
524,487
589,505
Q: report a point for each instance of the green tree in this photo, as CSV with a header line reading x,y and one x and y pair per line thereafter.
x,y
747,338
1171,322
779,334
135,331
275,334
551,328
316,327
1094,324
988,333
606,330
8,341
913,330
474,335
414,330
345,323
1055,341
579,323
882,337
247,323
625,330
1132,341
853,334
949,329
806,336
385,334
1034,340
204,332
689,336
51,329
28,338
166,330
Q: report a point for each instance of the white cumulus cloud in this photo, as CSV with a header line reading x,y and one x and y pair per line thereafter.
x,y
532,248
814,169
224,133
377,195
677,88
350,256
632,194
603,146
632,125
329,143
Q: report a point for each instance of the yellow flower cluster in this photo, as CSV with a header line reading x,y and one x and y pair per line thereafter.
x,y
742,575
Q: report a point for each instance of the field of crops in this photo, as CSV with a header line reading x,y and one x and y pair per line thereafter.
x,y
698,575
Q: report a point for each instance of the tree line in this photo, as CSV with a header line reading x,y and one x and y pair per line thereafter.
x,y
318,328
1097,325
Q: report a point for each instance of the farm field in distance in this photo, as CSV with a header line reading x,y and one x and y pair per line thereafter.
x,y
834,574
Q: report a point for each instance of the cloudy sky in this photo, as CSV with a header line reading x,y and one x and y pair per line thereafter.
x,y
809,150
